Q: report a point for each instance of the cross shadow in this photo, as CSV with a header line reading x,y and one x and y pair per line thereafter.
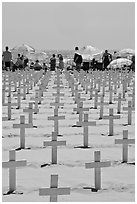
x,y
46,164
19,148
13,192
34,126
130,163
91,188
76,126
83,147
125,124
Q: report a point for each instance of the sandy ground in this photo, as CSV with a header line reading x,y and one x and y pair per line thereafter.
x,y
118,180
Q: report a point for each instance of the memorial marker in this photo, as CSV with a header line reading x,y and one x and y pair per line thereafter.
x,y
54,191
125,142
12,164
97,165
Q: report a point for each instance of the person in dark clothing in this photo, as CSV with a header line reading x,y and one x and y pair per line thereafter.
x,y
107,57
61,63
26,60
133,63
7,59
77,59
53,63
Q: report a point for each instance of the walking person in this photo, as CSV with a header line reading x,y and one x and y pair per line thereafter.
x,y
53,63
61,63
7,58
106,59
77,59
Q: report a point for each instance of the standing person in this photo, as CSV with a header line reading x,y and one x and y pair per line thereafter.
x,y
77,59
26,60
61,63
53,62
7,58
21,61
107,57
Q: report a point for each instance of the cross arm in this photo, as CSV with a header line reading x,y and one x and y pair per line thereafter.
x,y
124,141
54,191
11,164
97,164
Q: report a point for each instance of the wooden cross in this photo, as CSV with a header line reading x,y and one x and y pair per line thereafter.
x,y
9,104
58,93
22,127
18,98
54,191
101,103
85,125
129,109
12,164
125,142
24,91
54,143
3,95
97,165
39,96
36,99
56,118
119,99
111,117
78,98
96,95
133,98
57,104
27,83
80,109
30,111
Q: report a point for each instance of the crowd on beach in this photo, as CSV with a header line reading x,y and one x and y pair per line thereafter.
x,y
22,62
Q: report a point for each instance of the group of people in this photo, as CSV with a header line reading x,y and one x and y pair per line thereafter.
x,y
53,62
22,62
106,59
7,63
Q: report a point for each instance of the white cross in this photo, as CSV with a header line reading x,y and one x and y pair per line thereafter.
x,y
125,142
96,95
101,103
56,118
12,164
9,104
80,109
129,109
85,125
30,111
22,127
119,99
54,191
97,165
36,99
57,104
111,117
18,98
54,143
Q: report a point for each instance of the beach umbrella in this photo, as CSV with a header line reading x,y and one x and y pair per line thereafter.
x,y
86,57
89,51
119,63
125,53
39,55
22,50
98,56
